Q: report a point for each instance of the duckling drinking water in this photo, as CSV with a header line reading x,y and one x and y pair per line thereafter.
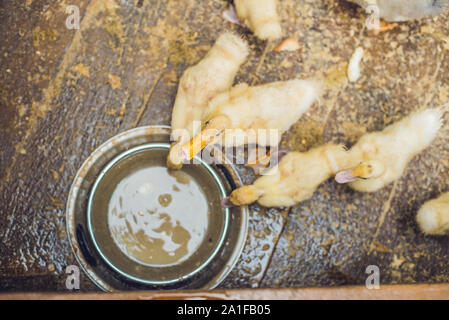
x,y
200,83
433,217
379,158
246,115
295,179
402,10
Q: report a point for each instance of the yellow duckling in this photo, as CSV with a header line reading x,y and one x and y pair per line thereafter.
x,y
295,179
379,158
200,83
246,115
433,217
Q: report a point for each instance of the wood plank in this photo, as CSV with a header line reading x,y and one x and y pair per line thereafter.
x,y
390,292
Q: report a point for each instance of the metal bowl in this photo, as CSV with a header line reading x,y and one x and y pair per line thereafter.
x,y
121,228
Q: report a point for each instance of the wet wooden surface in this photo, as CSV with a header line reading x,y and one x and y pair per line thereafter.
x,y
64,92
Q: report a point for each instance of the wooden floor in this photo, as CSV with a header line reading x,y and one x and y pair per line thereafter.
x,y
388,292
64,92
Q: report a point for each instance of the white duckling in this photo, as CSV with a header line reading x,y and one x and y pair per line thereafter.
x,y
380,158
295,179
433,217
261,17
402,10
246,115
200,83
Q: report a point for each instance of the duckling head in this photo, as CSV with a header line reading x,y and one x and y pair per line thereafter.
x,y
365,170
245,195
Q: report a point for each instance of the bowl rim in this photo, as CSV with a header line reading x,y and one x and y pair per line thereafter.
x,y
93,190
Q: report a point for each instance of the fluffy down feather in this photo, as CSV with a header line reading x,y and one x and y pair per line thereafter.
x,y
295,179
379,158
433,217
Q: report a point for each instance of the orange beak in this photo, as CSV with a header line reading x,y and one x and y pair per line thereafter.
x,y
213,129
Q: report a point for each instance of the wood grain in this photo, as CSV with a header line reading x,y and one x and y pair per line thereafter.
x,y
391,292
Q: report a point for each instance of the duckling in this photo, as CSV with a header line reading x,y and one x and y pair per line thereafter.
x,y
261,17
295,179
402,10
380,158
200,83
433,217
251,114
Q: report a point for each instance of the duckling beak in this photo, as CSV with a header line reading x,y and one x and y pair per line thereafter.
x,y
358,172
195,145
346,176
180,153
175,159
365,170
226,203
213,129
